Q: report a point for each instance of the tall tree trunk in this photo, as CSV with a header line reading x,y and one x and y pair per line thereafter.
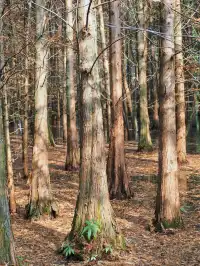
x,y
26,90
128,102
155,80
93,199
7,252
58,114
40,191
9,166
134,86
11,187
105,66
144,131
65,97
116,169
72,159
180,93
168,204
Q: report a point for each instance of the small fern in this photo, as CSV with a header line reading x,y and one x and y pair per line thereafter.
x,y
108,249
91,229
68,250
93,258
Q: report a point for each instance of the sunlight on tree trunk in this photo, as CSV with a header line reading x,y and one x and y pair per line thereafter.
x,y
180,87
7,253
11,187
168,204
40,191
106,81
93,198
72,159
116,169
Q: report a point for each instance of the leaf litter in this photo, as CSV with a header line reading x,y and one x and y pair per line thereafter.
x,y
37,241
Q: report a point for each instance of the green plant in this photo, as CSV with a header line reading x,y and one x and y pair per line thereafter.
x,y
108,249
93,257
68,250
22,261
91,229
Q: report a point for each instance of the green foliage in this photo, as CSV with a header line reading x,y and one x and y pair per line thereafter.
x,y
91,229
68,250
187,208
175,223
108,249
22,261
93,257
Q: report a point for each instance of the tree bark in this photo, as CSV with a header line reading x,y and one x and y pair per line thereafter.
x,y
7,251
9,166
72,159
93,198
65,98
58,114
10,177
40,191
145,142
106,80
168,204
180,90
26,91
116,169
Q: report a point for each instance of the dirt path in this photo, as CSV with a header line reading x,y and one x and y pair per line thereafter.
x,y
37,242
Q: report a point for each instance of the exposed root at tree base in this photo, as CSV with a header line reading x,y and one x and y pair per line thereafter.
x,y
35,211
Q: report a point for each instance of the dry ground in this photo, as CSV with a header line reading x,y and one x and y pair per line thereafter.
x,y
37,242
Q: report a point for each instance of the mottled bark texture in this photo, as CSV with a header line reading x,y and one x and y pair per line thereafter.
x,y
7,252
40,190
116,169
9,165
4,97
93,197
168,204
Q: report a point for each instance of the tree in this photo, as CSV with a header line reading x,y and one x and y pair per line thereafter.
x,y
72,159
116,169
106,71
65,97
145,142
9,166
40,191
168,204
180,93
93,199
26,91
7,252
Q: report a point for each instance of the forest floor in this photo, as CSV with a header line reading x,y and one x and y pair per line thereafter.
x,y
37,241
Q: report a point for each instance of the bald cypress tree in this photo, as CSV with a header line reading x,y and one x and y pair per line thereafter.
x,y
7,252
168,204
93,203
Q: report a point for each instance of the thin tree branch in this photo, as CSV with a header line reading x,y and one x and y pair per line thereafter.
x,y
103,52
87,17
